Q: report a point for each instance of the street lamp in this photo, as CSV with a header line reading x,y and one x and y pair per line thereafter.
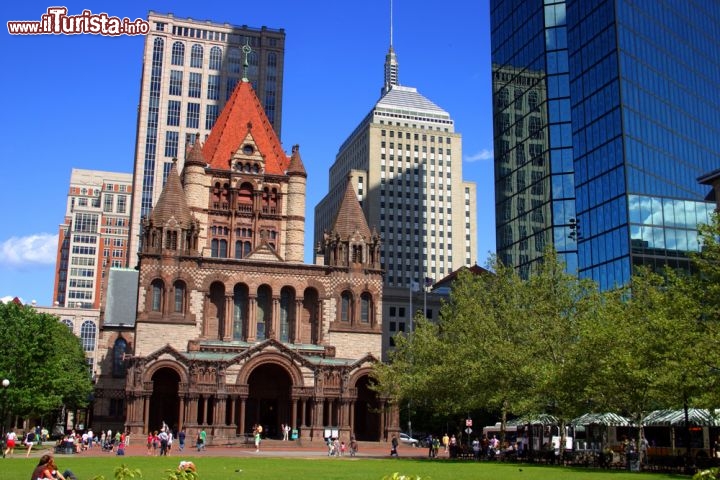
x,y
5,385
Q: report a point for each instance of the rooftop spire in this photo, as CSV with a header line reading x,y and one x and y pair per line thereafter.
x,y
246,51
391,64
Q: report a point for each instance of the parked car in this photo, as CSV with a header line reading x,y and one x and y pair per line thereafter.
x,y
408,440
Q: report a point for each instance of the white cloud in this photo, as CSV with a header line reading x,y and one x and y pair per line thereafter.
x,y
39,249
482,155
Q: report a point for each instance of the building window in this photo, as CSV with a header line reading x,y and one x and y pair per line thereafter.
x,y
173,115
196,56
179,297
218,248
119,349
171,144
87,335
193,115
178,53
176,79
108,203
157,295
365,307
346,307
240,304
213,90
211,114
195,85
215,58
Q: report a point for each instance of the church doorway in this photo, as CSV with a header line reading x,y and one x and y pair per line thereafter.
x,y
164,401
268,401
367,412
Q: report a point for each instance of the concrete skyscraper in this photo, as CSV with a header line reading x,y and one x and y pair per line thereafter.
x,y
605,115
404,160
93,237
190,69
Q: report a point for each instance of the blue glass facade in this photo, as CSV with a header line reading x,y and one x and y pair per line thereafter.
x,y
632,120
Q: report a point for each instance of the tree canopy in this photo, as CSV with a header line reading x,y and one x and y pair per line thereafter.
x,y
44,362
556,344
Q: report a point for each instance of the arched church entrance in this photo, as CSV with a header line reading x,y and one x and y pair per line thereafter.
x,y
268,404
367,411
164,401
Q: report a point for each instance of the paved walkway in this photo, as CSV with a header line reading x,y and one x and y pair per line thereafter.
x,y
268,448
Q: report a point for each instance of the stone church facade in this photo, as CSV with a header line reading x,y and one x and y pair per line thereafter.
x,y
232,328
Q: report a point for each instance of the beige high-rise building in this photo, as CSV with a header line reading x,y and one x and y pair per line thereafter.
x,y
190,69
93,237
404,160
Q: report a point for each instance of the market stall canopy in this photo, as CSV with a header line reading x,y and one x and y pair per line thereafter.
x,y
674,418
538,419
607,419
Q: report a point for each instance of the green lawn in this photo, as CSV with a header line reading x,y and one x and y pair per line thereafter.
x,y
231,468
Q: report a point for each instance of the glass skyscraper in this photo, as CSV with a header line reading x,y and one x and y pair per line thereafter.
x,y
605,115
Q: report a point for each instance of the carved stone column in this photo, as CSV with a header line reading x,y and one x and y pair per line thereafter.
x,y
274,319
293,417
241,422
228,327
219,410
297,319
252,318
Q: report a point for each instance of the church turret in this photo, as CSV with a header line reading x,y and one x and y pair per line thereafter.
x,y
171,229
297,179
350,243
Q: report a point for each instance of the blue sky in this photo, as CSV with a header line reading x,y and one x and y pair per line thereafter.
x,y
71,102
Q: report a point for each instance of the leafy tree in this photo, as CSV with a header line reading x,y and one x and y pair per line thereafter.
x,y
43,360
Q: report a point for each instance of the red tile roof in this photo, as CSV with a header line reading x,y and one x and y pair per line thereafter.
x,y
243,113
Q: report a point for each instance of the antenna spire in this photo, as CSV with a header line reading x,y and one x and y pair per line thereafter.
x,y
391,64
391,24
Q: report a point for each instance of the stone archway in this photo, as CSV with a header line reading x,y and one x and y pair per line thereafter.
x,y
368,414
164,401
268,403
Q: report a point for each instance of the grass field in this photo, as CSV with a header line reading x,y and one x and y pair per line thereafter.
x,y
241,468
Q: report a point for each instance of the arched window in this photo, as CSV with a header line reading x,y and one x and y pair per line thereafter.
x,y
533,100
245,198
346,307
247,246
68,323
240,311
196,56
87,335
171,240
218,248
178,53
119,349
215,58
357,254
157,289
365,307
287,309
179,297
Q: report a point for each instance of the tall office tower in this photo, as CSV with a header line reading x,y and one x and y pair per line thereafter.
x,y
190,69
605,115
93,237
404,160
